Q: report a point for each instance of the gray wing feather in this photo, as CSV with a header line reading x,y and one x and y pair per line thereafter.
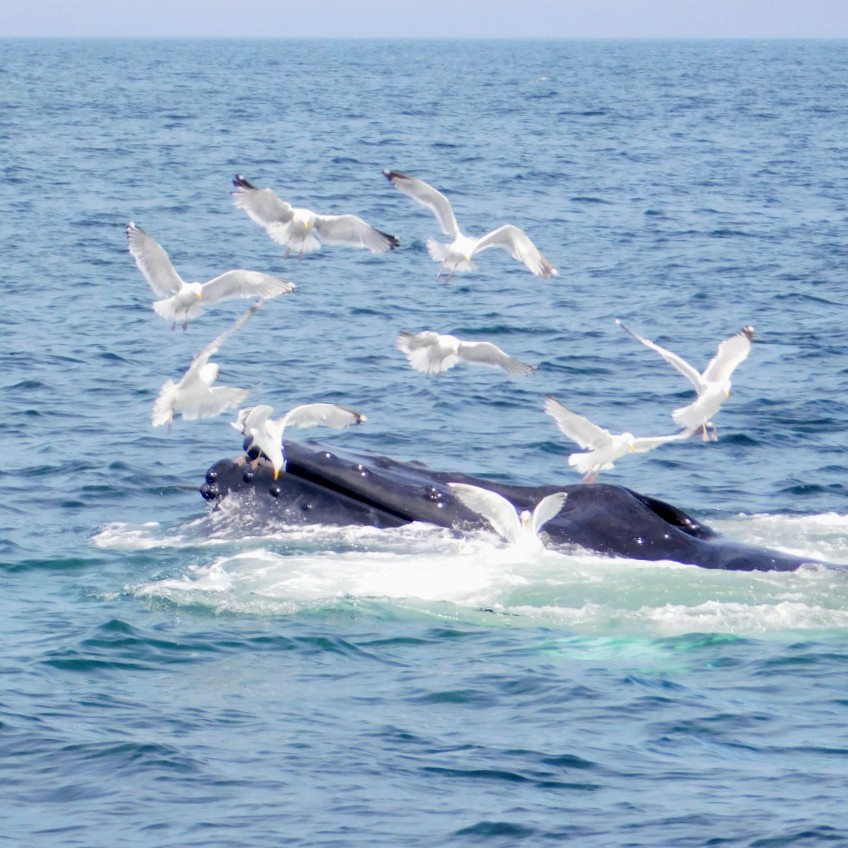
x,y
428,197
579,429
153,262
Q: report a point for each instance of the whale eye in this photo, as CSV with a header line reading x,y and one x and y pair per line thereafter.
x,y
306,506
211,475
247,476
275,491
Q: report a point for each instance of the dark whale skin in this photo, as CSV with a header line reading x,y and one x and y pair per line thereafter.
x,y
320,486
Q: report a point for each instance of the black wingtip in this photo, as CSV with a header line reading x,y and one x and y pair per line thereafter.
x,y
394,241
242,182
748,332
391,176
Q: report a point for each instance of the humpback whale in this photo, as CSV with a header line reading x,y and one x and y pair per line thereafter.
x,y
321,486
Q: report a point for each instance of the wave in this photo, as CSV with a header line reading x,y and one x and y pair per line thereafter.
x,y
423,571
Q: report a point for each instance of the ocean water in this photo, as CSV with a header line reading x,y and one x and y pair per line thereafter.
x,y
172,678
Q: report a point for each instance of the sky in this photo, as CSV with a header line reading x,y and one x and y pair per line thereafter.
x,y
430,19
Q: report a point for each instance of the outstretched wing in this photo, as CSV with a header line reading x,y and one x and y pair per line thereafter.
x,y
518,243
240,283
486,353
731,352
153,262
680,364
252,417
643,444
351,230
261,204
203,357
546,509
213,402
427,196
579,429
326,414
495,508
428,352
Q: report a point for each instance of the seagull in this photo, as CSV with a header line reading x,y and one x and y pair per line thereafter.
x,y
603,447
267,434
457,255
194,396
518,528
431,353
713,386
302,230
182,300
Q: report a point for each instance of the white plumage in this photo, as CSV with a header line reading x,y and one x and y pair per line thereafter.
x,y
601,447
519,529
712,387
301,230
194,396
181,301
267,433
457,255
433,354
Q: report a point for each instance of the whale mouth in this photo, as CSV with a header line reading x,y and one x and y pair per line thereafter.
x,y
321,486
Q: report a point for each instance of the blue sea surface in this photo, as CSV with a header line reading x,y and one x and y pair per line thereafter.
x,y
173,678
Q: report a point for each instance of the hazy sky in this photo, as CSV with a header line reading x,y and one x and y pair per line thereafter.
x,y
430,19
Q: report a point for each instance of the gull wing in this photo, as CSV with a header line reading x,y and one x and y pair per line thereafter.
x,y
495,508
213,402
680,364
407,341
153,262
643,444
546,509
518,243
203,357
428,352
579,429
427,196
327,414
731,352
486,353
241,283
351,230
253,416
261,204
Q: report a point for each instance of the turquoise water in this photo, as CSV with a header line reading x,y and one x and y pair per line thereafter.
x,y
175,679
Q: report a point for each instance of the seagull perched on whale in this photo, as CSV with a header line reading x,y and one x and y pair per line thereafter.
x,y
194,396
266,434
432,353
457,255
181,300
603,448
519,529
713,386
302,230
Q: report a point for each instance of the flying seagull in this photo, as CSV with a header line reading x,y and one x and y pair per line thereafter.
x,y
712,387
519,529
432,353
302,230
194,396
266,433
601,447
457,255
181,300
